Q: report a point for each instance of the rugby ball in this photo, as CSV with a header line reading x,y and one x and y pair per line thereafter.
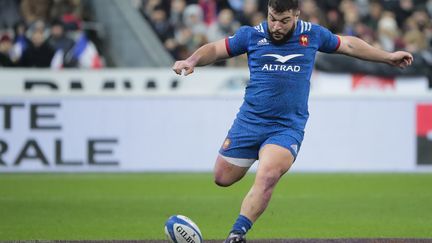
x,y
181,229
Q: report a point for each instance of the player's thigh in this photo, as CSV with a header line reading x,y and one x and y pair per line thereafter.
x,y
274,161
226,173
237,154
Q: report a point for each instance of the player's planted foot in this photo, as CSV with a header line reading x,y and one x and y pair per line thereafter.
x,y
235,237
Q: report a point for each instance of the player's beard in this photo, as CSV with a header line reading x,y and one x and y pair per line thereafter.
x,y
284,39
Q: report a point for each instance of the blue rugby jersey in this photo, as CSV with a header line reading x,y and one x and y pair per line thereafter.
x,y
278,91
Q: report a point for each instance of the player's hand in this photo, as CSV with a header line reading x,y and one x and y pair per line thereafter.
x,y
401,59
185,65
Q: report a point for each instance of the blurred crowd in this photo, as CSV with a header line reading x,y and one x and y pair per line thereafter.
x,y
50,33
45,34
185,25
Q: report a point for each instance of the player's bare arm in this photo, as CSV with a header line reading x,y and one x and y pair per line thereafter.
x,y
205,55
355,47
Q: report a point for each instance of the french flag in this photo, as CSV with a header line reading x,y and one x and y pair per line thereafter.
x,y
57,60
86,54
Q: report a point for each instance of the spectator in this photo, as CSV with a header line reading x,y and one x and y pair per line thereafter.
x,y
351,17
58,38
65,16
310,12
176,13
403,11
363,7
187,41
39,53
61,43
366,34
236,5
193,34
148,6
371,20
184,40
257,18
415,41
39,25
69,15
422,20
250,8
418,32
85,54
387,31
5,49
164,30
193,19
375,12
225,26
209,11
161,24
61,7
21,42
334,21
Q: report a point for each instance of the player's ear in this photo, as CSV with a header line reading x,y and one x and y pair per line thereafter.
x,y
297,14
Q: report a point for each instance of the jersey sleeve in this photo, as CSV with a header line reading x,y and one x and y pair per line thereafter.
x,y
238,43
329,42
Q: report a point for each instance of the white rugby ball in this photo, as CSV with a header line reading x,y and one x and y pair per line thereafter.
x,y
181,229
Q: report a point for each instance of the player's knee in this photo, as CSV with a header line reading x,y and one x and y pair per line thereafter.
x,y
268,180
222,181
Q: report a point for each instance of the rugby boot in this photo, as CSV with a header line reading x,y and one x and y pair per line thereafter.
x,y
235,237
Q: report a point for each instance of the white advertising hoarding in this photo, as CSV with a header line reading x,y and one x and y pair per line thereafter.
x,y
58,129
112,134
184,134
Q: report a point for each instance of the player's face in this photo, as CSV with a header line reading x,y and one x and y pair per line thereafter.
x,y
281,25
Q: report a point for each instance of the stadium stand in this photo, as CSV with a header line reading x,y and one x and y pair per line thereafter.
x,y
173,29
388,24
128,39
48,34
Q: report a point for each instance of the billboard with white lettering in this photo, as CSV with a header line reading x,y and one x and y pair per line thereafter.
x,y
151,121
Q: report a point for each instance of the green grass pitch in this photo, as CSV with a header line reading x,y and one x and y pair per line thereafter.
x,y
135,206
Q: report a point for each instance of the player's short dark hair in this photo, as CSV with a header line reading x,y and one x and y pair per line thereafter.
x,y
281,6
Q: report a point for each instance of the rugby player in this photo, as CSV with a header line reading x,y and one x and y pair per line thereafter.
x,y
271,121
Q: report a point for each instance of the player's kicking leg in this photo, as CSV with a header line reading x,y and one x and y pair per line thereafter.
x,y
228,171
274,162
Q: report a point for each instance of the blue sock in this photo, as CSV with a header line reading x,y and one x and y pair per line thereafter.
x,y
242,225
